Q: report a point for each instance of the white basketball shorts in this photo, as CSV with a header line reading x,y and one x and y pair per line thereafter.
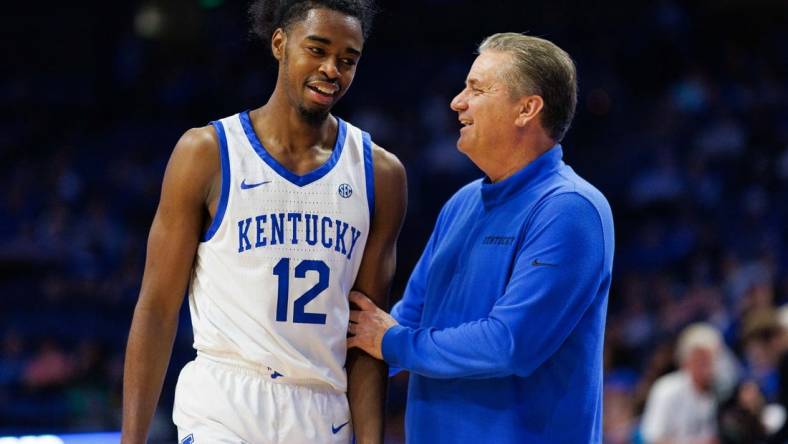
x,y
219,403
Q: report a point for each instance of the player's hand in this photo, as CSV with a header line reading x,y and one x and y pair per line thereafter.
x,y
368,325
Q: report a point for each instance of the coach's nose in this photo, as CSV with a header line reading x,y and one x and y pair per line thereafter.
x,y
458,103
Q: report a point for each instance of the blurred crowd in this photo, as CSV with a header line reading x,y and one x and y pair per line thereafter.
x,y
682,123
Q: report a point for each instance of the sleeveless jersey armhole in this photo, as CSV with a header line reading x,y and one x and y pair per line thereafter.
x,y
225,163
370,173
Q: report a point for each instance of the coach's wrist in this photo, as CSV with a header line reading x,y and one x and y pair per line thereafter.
x,y
391,344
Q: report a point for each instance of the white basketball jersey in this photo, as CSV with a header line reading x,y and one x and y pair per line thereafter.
x,y
272,275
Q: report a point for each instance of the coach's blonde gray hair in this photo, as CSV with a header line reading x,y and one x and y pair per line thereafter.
x,y
541,68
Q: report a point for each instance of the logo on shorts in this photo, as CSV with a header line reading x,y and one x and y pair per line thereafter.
x,y
344,190
188,440
336,430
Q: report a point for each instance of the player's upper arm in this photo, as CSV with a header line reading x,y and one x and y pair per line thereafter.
x,y
391,202
189,182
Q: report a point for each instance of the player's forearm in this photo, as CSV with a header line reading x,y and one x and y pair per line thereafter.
x,y
367,378
147,356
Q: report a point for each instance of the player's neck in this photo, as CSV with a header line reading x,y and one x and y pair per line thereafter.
x,y
291,131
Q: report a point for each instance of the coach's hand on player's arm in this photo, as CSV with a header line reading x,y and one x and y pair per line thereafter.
x,y
368,324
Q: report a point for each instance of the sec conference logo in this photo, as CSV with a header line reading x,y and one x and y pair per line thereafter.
x,y
344,190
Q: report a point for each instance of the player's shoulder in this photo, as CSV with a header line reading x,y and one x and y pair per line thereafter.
x,y
198,147
387,166
195,159
198,141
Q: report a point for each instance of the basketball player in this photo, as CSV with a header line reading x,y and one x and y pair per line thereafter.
x,y
270,218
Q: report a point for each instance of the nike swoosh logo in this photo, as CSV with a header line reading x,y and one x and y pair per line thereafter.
x,y
276,374
246,186
336,430
537,263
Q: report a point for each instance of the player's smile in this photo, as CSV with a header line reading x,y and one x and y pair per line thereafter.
x,y
320,59
322,92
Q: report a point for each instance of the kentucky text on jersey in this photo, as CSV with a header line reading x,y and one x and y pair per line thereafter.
x,y
280,228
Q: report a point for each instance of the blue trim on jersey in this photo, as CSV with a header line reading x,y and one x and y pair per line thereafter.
x,y
222,206
293,178
370,173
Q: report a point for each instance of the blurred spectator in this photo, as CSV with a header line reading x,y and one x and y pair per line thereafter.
x,y
660,363
781,435
12,359
740,416
681,406
50,367
618,426
763,343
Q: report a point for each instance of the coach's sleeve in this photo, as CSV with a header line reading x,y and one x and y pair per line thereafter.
x,y
539,309
408,310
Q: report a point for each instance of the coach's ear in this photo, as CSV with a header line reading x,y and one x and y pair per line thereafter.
x,y
528,108
278,42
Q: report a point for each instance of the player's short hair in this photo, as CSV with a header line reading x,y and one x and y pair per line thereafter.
x,y
269,15
539,67
700,335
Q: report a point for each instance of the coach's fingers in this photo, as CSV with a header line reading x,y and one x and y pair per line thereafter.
x,y
351,327
352,342
354,315
362,300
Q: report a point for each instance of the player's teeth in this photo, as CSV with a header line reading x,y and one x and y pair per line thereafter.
x,y
324,90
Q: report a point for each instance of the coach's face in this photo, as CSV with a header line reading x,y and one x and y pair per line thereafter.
x,y
485,107
318,57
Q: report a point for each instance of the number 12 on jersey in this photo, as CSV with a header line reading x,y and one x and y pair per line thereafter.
x,y
282,271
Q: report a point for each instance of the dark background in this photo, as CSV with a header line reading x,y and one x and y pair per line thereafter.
x,y
682,123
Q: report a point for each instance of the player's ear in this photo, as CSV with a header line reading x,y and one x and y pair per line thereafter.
x,y
278,42
528,108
